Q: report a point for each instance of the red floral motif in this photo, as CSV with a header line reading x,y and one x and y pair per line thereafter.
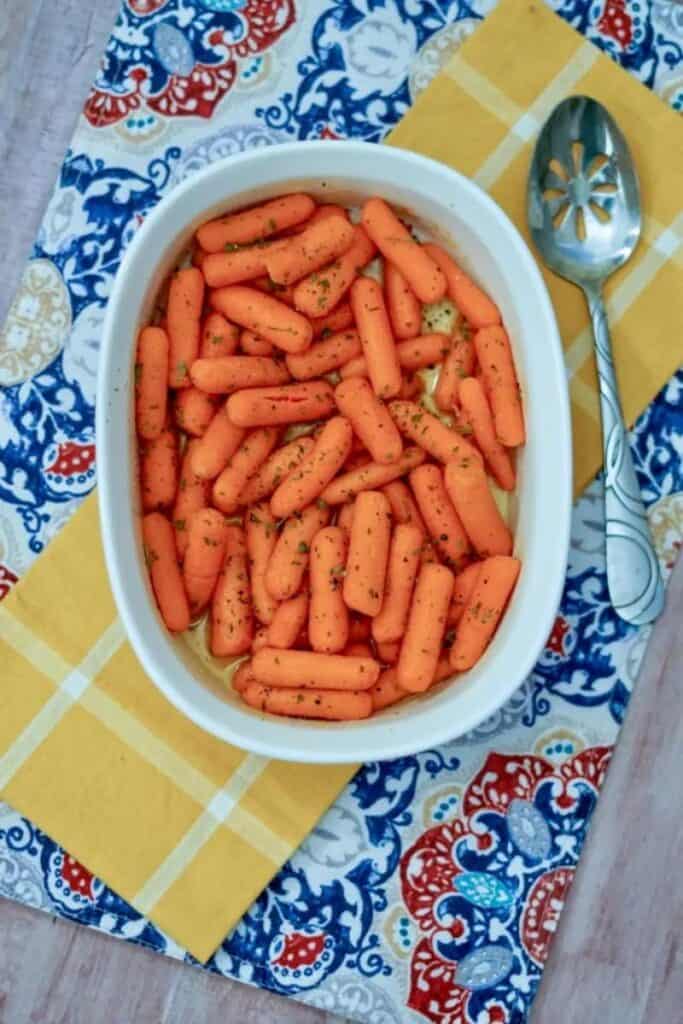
x,y
72,459
142,7
7,580
197,94
615,22
433,991
556,638
300,950
542,912
77,877
327,133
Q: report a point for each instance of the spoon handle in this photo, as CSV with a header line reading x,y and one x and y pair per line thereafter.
x,y
633,577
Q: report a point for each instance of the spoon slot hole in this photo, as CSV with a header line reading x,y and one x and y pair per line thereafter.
x,y
599,212
607,188
557,168
560,215
577,156
552,194
580,224
596,165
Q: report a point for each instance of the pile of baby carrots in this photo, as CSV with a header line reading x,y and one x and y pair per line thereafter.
x,y
297,483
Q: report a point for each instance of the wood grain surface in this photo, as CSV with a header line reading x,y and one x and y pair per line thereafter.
x,y
618,955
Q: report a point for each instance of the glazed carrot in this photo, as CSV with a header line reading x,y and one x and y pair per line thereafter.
x,y
185,299
198,255
470,493
458,363
483,611
321,213
275,469
330,705
151,382
404,560
251,454
252,345
413,354
403,507
192,495
359,649
398,246
167,581
237,265
215,448
193,410
443,522
359,628
340,319
495,358
411,389
386,690
465,583
366,565
282,292
261,536
328,619
289,559
477,412
312,670
321,291
320,244
232,625
242,676
431,434
421,644
371,476
324,356
260,639
226,374
292,403
379,349
388,651
159,471
256,223
219,338
288,621
204,556
370,419
345,519
308,481
443,669
472,302
405,311
265,315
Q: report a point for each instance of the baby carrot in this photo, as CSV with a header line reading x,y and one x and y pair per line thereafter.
x,y
371,476
291,403
193,410
340,319
261,535
421,644
379,349
404,560
192,495
321,213
226,374
251,454
398,246
369,419
360,649
495,358
185,299
472,302
431,434
316,246
252,345
388,651
151,382
288,621
219,338
366,564
164,571
275,469
483,611
289,560
159,471
242,676
237,265
359,628
477,412
437,510
306,483
321,291
232,625
217,445
328,620
260,639
464,584
265,315
331,705
470,493
324,356
405,311
312,670
413,354
386,690
403,507
282,292
458,363
204,556
345,519
256,223
411,388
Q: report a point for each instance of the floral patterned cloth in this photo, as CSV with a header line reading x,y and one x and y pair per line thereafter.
x,y
431,890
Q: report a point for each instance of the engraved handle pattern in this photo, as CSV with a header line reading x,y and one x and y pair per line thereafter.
x,y
633,577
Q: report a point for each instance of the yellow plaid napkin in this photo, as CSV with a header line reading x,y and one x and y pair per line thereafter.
x,y
189,829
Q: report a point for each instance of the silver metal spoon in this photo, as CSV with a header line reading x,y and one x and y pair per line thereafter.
x,y
583,207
